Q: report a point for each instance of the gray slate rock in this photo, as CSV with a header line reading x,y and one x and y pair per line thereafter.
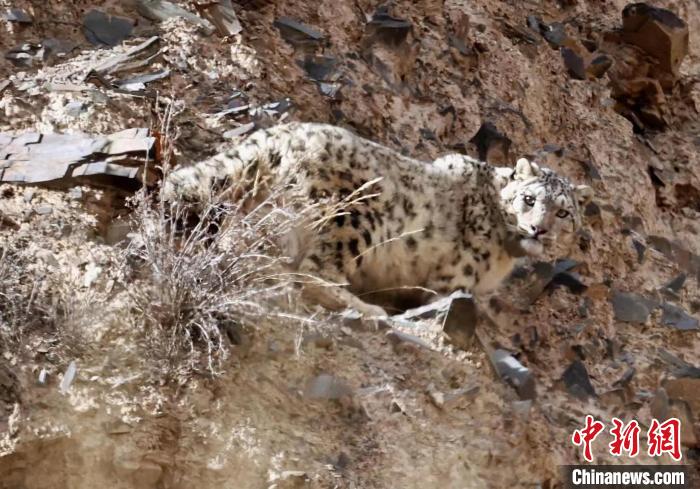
x,y
460,321
512,371
631,308
68,377
577,381
676,317
326,386
17,15
388,29
32,157
102,29
160,10
296,33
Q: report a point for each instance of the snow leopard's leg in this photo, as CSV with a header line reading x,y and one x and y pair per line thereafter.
x,y
332,258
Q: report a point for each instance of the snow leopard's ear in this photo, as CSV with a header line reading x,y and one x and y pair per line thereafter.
x,y
525,169
583,194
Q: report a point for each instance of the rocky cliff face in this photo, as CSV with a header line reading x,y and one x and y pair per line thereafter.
x,y
603,92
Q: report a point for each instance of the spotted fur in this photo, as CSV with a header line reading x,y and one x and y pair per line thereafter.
x,y
457,223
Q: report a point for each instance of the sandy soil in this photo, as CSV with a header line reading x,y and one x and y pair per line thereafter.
x,y
120,424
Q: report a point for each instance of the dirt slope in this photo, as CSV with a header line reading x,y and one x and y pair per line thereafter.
x,y
425,85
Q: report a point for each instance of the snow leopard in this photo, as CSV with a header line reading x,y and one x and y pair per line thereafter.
x,y
420,230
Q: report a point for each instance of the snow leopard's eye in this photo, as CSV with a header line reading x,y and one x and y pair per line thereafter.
x,y
562,213
529,200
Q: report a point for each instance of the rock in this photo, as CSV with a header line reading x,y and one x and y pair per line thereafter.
x,y
575,64
460,322
458,37
44,210
688,371
512,371
631,307
522,408
319,340
43,377
534,23
160,10
569,280
430,310
676,283
17,15
591,170
448,400
543,275
599,65
222,15
659,404
68,377
327,386
139,82
56,48
47,257
592,210
676,317
397,406
319,68
577,381
385,28
613,399
102,29
74,109
330,90
290,479
675,252
28,195
296,33
64,159
492,145
91,274
25,55
554,34
681,410
626,377
684,369
140,54
75,193
236,334
581,64
640,249
241,130
685,389
398,338
659,32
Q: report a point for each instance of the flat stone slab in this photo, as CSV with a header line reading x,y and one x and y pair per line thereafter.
x,y
54,158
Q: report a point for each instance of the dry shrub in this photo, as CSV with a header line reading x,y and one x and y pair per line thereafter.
x,y
226,270
192,285
22,297
41,306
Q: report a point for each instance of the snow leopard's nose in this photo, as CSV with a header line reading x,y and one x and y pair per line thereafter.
x,y
538,231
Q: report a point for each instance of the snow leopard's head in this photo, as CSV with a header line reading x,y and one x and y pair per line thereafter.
x,y
544,204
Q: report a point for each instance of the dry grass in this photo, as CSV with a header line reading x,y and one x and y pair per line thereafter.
x,y
193,287
39,305
186,286
22,301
